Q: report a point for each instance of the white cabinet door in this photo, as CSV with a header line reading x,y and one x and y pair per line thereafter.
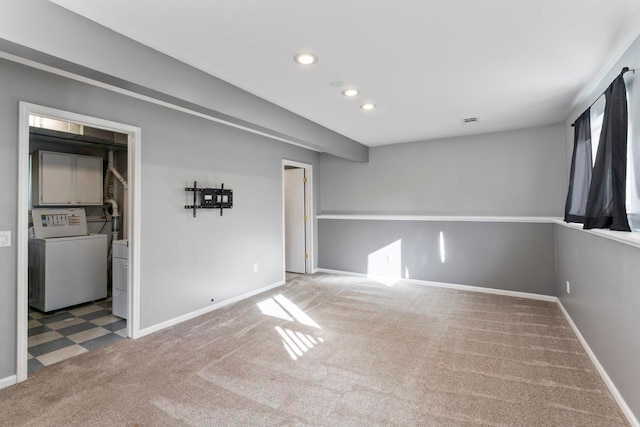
x,y
56,179
66,179
88,180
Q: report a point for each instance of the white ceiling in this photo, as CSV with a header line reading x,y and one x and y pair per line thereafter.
x,y
426,64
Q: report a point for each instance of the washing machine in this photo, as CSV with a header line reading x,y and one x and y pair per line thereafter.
x,y
67,265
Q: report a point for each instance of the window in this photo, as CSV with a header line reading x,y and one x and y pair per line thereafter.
x,y
633,158
597,116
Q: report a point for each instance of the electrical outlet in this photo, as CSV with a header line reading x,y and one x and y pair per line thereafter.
x,y
5,239
568,287
256,267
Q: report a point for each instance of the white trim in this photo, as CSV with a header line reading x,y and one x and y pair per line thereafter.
x,y
494,291
132,94
8,381
134,232
205,310
631,239
22,244
523,219
605,377
310,226
468,288
340,272
134,163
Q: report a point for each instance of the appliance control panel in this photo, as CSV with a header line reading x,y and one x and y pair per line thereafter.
x,y
48,223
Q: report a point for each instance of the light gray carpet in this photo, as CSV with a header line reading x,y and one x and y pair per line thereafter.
x,y
291,276
365,354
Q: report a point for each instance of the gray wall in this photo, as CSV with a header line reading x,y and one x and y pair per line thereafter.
x,y
99,53
604,276
185,261
510,256
505,173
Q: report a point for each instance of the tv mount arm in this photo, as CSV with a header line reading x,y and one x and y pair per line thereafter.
x,y
210,198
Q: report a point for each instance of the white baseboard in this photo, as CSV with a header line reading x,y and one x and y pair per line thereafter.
x,y
340,272
9,381
605,377
451,286
193,314
484,290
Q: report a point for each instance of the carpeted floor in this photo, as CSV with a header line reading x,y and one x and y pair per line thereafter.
x,y
333,350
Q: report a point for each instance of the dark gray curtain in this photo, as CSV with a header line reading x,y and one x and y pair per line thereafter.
x,y
606,201
581,167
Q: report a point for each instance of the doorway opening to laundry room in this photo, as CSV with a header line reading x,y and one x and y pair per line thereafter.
x,y
77,210
297,188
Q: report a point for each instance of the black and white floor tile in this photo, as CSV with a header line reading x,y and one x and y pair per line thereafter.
x,y
57,336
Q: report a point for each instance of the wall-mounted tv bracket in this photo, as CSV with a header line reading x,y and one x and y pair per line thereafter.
x,y
210,198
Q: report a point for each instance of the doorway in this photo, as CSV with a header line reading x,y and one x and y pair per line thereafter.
x,y
298,218
72,155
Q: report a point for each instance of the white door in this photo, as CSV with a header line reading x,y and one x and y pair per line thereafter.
x,y
294,230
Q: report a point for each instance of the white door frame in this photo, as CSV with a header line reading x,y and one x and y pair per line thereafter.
x,y
311,217
22,238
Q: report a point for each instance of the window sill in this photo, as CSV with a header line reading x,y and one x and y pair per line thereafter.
x,y
631,239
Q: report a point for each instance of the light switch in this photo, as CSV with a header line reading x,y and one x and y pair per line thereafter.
x,y
5,239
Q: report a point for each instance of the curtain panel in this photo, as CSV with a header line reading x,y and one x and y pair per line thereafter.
x,y
606,202
581,169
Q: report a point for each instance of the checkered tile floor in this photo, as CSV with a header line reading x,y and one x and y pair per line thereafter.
x,y
56,336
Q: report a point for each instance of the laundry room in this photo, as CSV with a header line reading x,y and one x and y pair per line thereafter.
x,y
78,239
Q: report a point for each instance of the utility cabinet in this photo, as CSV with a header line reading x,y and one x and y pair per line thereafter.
x,y
120,277
66,179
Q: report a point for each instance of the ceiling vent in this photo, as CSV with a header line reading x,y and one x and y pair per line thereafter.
x,y
467,120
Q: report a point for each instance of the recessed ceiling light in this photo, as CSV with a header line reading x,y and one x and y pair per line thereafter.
x,y
368,106
350,92
305,58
